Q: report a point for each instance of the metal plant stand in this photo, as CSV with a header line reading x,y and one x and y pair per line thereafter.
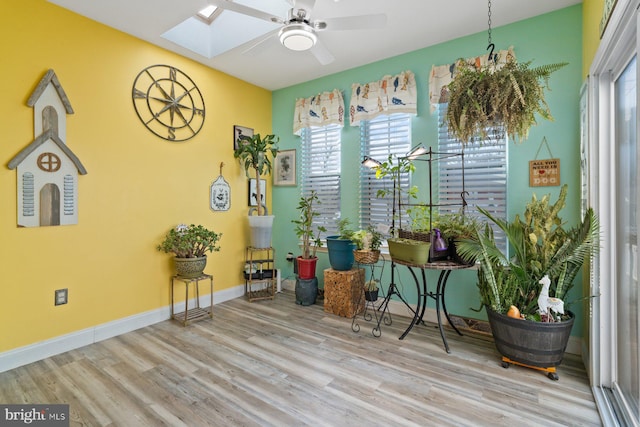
x,y
369,309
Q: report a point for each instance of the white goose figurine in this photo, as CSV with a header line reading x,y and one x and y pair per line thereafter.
x,y
545,302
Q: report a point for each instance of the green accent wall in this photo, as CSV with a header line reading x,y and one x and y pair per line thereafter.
x,y
548,38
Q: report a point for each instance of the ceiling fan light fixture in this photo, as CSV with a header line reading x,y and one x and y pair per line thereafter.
x,y
297,37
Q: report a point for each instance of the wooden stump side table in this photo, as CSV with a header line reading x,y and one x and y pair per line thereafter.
x,y
343,291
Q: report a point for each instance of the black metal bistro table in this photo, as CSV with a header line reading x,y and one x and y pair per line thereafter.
x,y
445,268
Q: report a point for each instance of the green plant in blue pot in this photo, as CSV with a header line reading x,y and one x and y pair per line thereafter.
x,y
341,247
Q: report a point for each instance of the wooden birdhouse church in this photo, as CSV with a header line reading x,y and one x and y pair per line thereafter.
x,y
47,169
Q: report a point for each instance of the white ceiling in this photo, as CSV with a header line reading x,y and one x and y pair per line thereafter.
x,y
411,25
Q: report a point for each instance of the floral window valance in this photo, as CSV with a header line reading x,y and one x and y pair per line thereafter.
x,y
319,110
441,75
391,94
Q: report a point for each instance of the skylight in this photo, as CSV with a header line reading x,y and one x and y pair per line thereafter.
x,y
213,31
207,13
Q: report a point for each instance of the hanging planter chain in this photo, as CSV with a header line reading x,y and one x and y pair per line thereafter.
x,y
491,47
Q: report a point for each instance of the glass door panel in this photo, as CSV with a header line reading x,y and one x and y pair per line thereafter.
x,y
626,240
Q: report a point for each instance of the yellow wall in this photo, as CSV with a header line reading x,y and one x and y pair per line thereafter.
x,y
137,186
591,16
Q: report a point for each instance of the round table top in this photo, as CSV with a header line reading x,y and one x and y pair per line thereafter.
x,y
437,265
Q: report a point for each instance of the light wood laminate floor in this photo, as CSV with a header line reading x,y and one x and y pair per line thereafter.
x,y
277,363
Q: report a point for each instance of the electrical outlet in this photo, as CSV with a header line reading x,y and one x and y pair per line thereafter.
x,y
61,296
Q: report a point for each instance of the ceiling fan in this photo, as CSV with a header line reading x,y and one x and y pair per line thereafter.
x,y
298,31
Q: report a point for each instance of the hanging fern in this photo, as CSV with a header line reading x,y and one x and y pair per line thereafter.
x,y
481,99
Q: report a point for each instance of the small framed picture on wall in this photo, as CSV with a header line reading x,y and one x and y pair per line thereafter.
x,y
253,192
240,133
284,168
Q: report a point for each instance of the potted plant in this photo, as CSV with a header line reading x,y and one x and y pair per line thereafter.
x,y
311,240
255,155
371,290
481,98
190,245
368,244
409,251
456,227
513,289
421,219
341,247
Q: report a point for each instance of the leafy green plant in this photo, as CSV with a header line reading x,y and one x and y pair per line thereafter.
x,y
421,218
367,240
304,225
192,241
394,167
256,154
344,229
541,246
457,225
482,98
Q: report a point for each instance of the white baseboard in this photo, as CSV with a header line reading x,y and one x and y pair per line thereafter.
x,y
32,353
289,284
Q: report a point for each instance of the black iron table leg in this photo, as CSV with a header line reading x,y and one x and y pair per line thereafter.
x,y
442,279
444,305
420,307
424,295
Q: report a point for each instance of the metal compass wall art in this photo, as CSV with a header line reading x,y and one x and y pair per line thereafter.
x,y
168,103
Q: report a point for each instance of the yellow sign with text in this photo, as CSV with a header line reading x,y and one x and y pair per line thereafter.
x,y
544,173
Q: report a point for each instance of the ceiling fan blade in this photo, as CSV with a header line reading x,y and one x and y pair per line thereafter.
x,y
321,53
245,10
252,49
360,22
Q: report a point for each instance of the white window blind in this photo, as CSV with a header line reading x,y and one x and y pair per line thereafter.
x,y
320,171
379,138
485,175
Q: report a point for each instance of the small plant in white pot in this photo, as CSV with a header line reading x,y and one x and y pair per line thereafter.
x,y
256,155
